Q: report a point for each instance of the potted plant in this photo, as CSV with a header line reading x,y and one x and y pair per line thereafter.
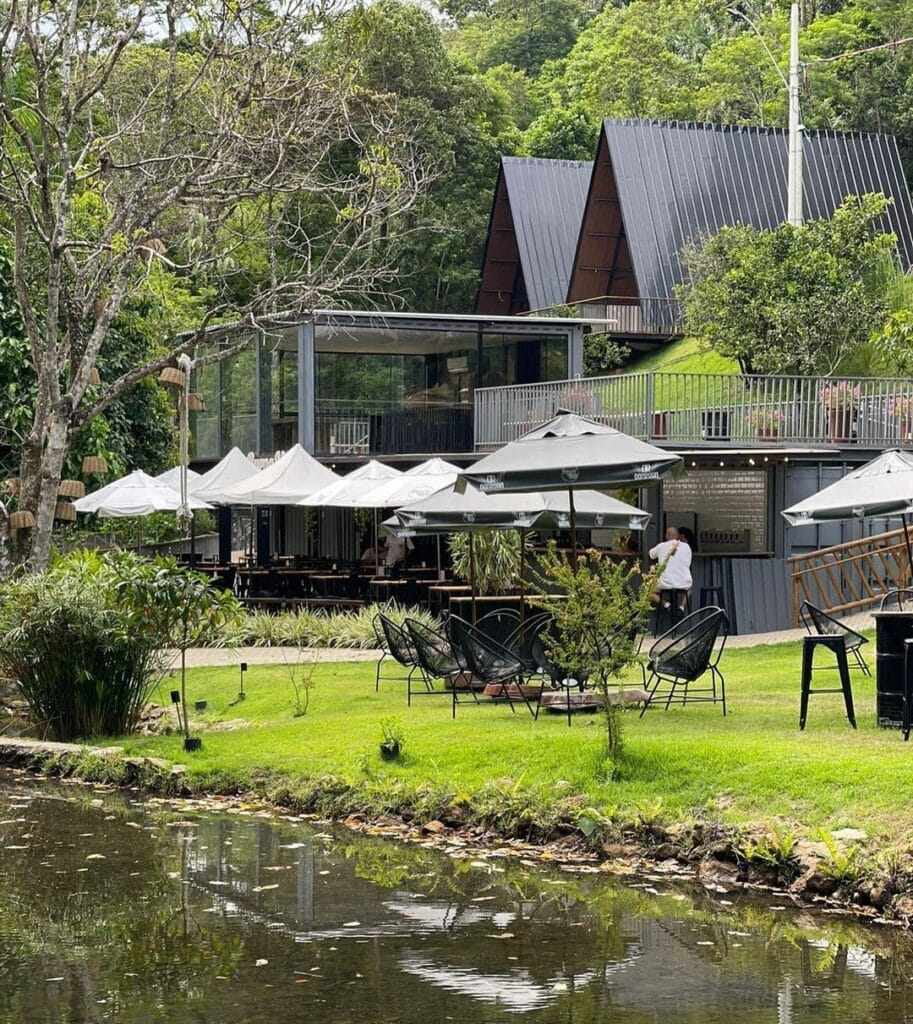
x,y
393,741
840,399
901,408
766,421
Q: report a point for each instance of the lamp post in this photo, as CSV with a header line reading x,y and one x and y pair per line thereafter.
x,y
185,516
794,188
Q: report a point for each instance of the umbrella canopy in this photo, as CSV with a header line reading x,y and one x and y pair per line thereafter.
x,y
234,469
450,511
136,494
289,479
882,487
348,491
571,451
172,477
413,485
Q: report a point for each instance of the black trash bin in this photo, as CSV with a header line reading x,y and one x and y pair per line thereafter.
x,y
892,628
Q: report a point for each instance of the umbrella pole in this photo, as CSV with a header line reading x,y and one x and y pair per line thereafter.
x,y
376,552
906,537
472,575
437,537
573,516
193,541
522,570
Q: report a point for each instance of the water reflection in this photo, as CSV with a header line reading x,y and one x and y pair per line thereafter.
x,y
114,909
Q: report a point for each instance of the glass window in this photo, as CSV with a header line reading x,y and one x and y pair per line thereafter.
x,y
204,426
239,401
281,352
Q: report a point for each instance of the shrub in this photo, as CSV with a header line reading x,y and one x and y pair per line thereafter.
x,y
343,630
86,640
69,642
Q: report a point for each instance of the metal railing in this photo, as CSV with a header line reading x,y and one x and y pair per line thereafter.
x,y
713,408
633,316
851,576
391,428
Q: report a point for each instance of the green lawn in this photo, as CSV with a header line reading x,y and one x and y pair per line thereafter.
x,y
753,765
687,355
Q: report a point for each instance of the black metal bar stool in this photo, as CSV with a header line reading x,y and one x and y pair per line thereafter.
x,y
834,643
672,607
712,591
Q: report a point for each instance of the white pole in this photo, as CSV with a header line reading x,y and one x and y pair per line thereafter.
x,y
794,202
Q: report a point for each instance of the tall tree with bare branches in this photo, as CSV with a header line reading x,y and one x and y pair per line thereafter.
x,y
143,138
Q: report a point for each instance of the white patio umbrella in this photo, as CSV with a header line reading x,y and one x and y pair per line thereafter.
x,y
413,485
285,482
172,477
232,470
136,494
347,491
882,488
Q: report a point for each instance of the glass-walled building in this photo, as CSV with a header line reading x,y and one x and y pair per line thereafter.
x,y
373,384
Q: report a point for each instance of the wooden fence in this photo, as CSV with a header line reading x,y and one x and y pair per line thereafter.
x,y
852,576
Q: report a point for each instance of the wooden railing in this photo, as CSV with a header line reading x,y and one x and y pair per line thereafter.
x,y
716,408
852,576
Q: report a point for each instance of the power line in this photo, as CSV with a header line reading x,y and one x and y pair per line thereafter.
x,y
857,53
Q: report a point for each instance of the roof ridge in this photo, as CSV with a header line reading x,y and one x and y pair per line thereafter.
x,y
546,160
649,122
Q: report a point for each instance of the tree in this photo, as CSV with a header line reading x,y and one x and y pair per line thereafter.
x,y
791,300
165,134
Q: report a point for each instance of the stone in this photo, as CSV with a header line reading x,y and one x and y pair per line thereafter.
x,y
718,874
849,835
434,827
815,880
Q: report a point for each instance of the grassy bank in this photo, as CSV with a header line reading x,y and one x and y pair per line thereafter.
x,y
752,766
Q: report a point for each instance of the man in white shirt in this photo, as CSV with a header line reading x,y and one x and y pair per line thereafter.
x,y
674,554
396,550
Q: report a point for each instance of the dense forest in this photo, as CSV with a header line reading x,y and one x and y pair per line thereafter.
x,y
534,78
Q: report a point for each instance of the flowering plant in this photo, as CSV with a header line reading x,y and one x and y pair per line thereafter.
x,y
901,406
766,418
840,394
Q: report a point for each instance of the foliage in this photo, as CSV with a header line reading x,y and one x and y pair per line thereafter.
x,y
301,679
340,630
840,394
790,300
595,630
182,609
766,418
82,659
602,353
496,554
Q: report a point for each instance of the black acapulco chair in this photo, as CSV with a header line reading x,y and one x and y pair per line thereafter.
x,y
683,655
499,624
492,663
524,638
402,650
818,621
437,656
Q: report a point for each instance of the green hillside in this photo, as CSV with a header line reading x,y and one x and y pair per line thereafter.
x,y
684,356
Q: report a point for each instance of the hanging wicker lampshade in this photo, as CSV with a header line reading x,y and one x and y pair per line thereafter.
x,y
21,520
71,489
65,512
172,378
12,485
195,403
95,464
94,377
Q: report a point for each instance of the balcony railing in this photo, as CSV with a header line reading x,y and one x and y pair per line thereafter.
x,y
391,428
711,408
630,316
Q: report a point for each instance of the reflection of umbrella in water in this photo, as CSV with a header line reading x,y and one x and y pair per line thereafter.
x,y
882,488
568,453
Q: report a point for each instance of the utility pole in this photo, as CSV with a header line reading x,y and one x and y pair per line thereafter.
x,y
794,190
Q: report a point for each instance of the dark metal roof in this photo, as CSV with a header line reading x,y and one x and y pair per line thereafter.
x,y
678,181
546,203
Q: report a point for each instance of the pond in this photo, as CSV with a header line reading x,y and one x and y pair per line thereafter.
x,y
117,909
